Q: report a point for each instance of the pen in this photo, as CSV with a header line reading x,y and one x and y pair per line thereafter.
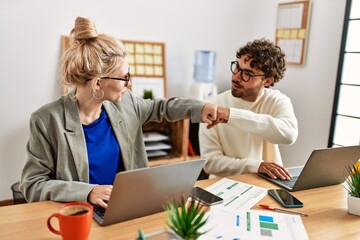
x,y
282,210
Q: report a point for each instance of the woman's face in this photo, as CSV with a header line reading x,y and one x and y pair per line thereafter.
x,y
114,89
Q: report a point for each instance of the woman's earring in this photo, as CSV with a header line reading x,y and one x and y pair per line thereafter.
x,y
94,94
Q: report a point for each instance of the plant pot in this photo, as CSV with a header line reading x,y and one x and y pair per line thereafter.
x,y
353,205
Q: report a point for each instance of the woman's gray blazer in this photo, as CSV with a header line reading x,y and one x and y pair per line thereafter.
x,y
57,162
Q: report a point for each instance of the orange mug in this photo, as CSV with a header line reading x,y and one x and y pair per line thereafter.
x,y
75,220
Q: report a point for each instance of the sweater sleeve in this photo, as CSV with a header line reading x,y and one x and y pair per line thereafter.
x,y
217,162
278,127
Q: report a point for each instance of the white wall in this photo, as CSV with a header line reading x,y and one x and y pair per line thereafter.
x,y
30,47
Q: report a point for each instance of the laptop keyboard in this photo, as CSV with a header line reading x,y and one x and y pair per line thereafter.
x,y
288,183
100,211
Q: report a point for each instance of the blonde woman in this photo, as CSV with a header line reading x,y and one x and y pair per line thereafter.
x,y
79,142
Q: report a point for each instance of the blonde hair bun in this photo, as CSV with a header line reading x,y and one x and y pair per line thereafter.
x,y
84,29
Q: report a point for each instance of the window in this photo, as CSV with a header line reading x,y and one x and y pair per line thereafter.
x,y
345,124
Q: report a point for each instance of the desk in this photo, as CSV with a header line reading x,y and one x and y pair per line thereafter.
x,y
326,206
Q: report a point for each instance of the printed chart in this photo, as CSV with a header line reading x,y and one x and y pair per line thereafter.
x,y
253,224
236,195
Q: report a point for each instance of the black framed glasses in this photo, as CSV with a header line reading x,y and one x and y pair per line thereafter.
x,y
244,74
126,79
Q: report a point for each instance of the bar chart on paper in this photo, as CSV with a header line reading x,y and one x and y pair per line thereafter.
x,y
267,225
253,224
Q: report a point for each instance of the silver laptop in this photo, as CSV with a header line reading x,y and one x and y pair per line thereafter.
x,y
144,191
323,168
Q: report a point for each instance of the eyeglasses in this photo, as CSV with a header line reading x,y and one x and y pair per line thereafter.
x,y
126,79
244,74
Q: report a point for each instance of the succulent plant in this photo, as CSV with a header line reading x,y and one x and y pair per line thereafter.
x,y
352,183
186,219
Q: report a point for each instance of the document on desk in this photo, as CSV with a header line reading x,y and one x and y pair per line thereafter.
x,y
253,224
236,195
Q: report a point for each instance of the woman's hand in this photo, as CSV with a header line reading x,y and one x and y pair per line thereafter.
x,y
100,195
209,113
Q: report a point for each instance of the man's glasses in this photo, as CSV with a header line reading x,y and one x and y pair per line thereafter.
x,y
245,75
126,79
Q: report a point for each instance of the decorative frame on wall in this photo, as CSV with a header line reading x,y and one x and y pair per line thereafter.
x,y
147,66
292,29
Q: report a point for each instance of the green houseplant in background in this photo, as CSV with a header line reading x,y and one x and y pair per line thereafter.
x,y
148,94
352,185
186,219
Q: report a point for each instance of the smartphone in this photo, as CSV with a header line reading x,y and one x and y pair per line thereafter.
x,y
285,198
205,197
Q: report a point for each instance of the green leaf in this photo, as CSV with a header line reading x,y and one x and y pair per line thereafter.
x,y
186,220
352,183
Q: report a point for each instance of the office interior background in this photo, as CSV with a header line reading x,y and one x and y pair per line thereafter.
x,y
30,52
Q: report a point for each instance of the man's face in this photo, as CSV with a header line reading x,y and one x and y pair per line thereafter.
x,y
249,90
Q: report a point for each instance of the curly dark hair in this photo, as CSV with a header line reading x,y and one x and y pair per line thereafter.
x,y
265,56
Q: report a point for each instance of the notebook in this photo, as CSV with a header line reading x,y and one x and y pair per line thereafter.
x,y
144,191
323,168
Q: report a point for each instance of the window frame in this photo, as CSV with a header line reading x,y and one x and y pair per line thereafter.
x,y
339,84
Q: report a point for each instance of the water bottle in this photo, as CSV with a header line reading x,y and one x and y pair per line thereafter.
x,y
204,67
204,75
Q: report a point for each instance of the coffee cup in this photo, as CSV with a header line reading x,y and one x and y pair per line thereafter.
x,y
75,220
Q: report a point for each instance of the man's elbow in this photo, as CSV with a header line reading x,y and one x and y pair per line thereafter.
x,y
291,138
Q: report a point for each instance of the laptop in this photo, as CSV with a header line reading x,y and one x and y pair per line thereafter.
x,y
323,168
144,191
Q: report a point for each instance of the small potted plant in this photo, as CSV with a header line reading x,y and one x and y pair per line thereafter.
x,y
148,94
352,185
186,218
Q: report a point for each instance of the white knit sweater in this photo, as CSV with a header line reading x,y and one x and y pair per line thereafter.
x,y
252,134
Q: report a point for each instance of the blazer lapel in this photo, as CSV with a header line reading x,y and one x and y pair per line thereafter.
x,y
121,133
75,138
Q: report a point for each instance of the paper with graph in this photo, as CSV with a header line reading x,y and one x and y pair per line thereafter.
x,y
253,224
236,195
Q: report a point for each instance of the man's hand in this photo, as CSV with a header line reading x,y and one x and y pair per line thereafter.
x,y
274,171
100,195
222,116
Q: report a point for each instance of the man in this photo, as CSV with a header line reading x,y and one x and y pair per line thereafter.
x,y
259,118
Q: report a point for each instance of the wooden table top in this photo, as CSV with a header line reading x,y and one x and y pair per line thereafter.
x,y
327,208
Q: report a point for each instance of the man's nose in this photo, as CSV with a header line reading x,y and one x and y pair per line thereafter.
x,y
237,76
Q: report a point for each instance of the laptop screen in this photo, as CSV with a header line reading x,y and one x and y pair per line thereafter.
x,y
144,191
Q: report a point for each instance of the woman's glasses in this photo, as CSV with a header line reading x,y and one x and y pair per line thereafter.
x,y
126,78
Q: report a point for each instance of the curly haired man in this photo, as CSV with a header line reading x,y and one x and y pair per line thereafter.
x,y
259,118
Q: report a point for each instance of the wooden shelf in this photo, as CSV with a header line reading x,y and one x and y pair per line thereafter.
x,y
178,133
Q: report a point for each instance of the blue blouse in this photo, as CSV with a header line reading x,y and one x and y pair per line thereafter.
x,y
104,154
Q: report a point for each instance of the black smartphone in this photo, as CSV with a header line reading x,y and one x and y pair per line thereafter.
x,y
205,197
285,198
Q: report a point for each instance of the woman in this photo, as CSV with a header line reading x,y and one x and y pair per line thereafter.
x,y
79,142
